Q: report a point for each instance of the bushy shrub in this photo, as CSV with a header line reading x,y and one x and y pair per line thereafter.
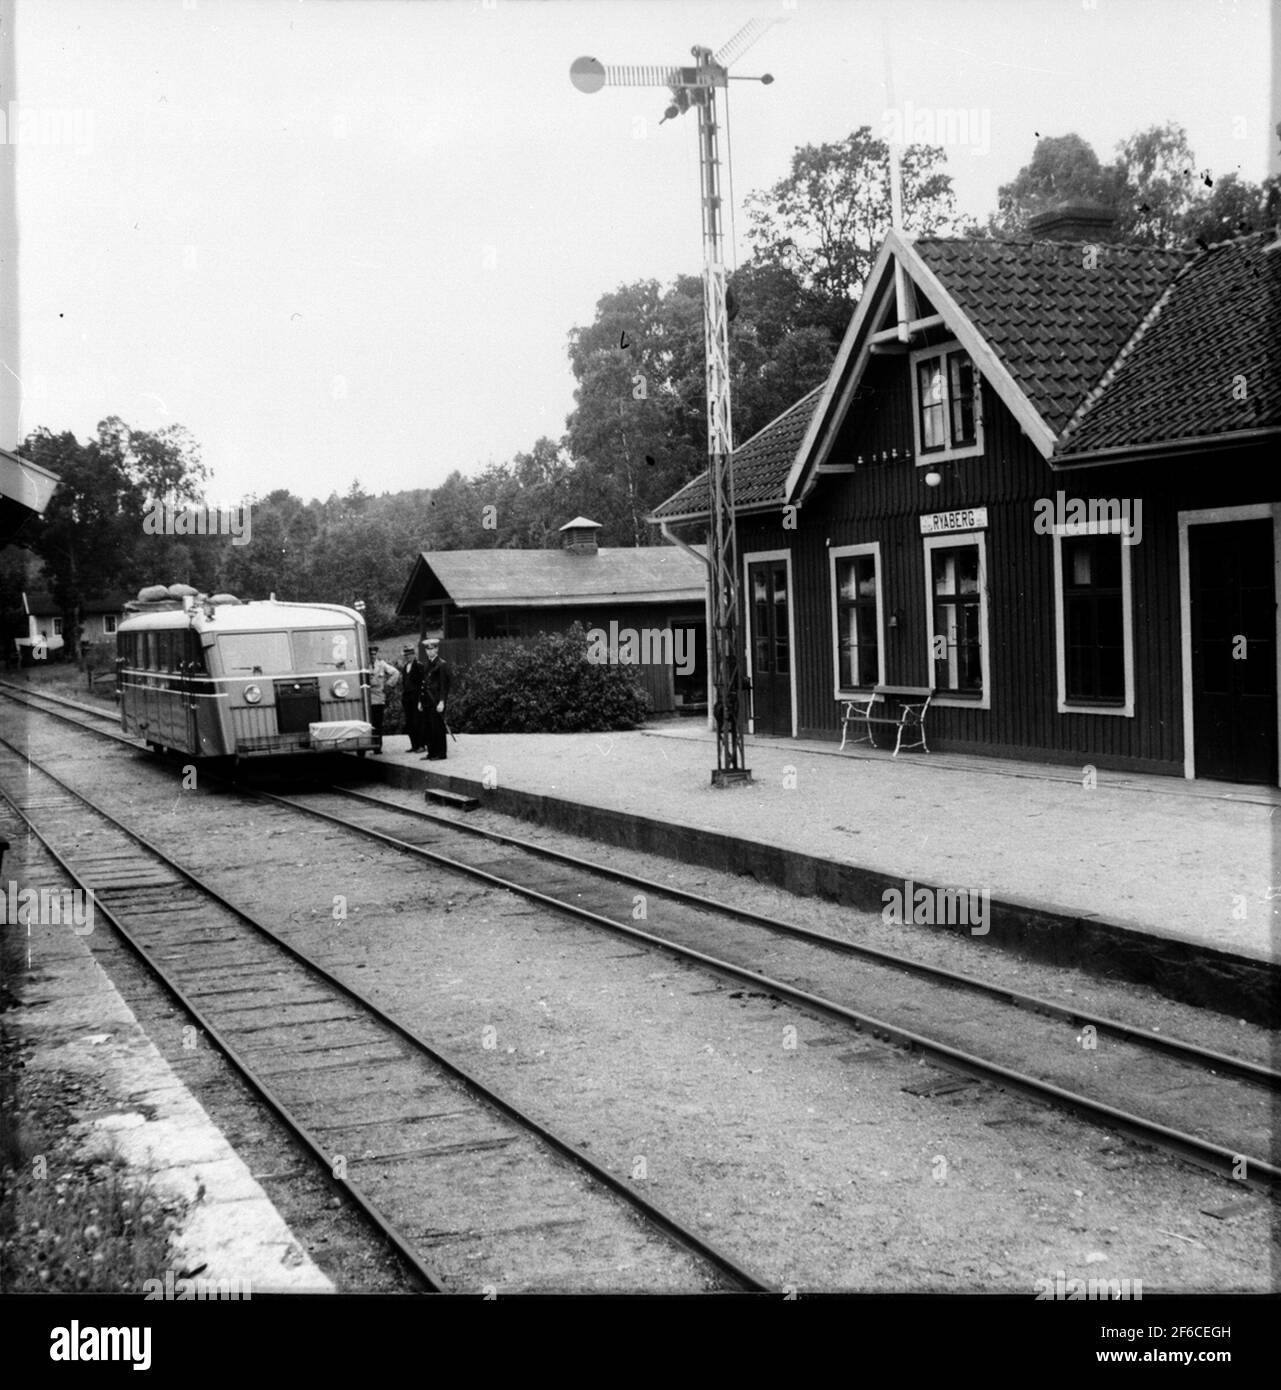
x,y
545,685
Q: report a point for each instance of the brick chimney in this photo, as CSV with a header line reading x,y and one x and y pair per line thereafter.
x,y
1074,222
580,536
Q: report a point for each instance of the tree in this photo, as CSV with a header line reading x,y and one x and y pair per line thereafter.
x,y
1063,169
1152,186
1159,185
639,431
268,564
456,516
826,220
779,349
540,495
92,525
1233,207
635,433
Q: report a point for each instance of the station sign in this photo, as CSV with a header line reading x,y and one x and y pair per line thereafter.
x,y
962,519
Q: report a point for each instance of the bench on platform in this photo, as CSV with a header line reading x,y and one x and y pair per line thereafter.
x,y
911,701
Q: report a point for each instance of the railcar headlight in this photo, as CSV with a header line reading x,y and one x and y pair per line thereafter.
x,y
341,690
252,694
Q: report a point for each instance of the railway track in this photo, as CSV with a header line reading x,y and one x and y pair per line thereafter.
x,y
471,1192
1207,1106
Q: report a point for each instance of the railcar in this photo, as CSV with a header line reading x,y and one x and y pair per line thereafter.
x,y
213,677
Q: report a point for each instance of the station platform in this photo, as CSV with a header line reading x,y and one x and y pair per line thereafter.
x,y
1160,880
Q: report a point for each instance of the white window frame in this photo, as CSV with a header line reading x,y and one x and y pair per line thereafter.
x,y
109,624
949,540
964,451
844,552
1208,517
1112,527
747,608
56,626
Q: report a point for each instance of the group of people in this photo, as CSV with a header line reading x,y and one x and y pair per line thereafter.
x,y
424,691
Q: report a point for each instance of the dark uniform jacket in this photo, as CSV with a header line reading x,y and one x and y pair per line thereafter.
x,y
437,679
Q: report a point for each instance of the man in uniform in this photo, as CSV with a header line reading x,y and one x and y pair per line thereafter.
x,y
382,678
411,689
437,679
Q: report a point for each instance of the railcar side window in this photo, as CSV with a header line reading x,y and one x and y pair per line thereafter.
x,y
325,649
254,653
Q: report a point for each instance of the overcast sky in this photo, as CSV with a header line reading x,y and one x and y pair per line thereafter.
x,y
348,240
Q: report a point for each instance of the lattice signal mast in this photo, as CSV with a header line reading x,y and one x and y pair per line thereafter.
x,y
696,86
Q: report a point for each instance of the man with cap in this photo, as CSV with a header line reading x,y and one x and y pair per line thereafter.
x,y
411,689
382,678
437,679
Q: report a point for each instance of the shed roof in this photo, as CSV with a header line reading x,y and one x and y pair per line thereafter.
x,y
553,578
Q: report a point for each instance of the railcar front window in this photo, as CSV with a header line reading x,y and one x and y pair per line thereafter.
x,y
254,653
325,649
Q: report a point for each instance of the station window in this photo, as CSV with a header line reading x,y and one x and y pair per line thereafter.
x,y
56,627
946,399
857,615
1093,620
109,624
956,573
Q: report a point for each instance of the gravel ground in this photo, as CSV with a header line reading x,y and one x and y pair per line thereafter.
x,y
793,1143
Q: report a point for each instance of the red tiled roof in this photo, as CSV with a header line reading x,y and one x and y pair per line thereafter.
x,y
1055,324
760,466
1177,378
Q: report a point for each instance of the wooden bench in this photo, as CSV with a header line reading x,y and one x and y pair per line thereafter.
x,y
912,701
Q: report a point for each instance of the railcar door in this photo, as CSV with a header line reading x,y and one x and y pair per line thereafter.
x,y
190,665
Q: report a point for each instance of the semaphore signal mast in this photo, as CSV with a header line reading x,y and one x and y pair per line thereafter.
x,y
696,86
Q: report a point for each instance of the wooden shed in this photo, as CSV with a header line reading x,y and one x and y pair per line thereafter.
x,y
474,598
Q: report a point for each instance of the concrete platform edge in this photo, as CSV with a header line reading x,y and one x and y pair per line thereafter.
x,y
1181,970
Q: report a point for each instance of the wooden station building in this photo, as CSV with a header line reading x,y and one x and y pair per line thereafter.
x,y
1042,481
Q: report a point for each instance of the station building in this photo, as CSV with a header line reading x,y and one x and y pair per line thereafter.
x,y
1041,481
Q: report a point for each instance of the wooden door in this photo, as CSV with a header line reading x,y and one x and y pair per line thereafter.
x,y
1234,668
771,647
